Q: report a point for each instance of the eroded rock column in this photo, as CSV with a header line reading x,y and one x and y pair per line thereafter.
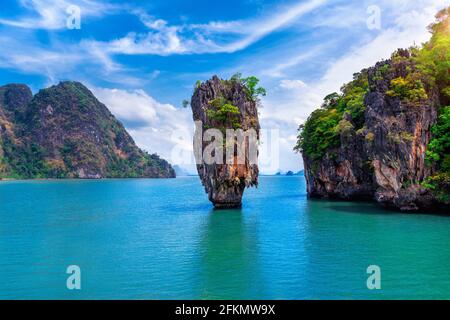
x,y
226,139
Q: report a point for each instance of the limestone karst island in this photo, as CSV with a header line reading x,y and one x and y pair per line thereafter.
x,y
227,105
386,136
65,132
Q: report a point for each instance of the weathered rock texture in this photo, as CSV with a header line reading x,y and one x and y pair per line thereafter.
x,y
385,160
225,183
65,132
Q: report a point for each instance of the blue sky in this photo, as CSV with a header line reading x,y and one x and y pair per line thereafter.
x,y
142,58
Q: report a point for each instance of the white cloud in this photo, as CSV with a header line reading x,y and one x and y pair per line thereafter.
x,y
51,14
292,84
130,106
409,28
268,25
289,108
160,127
282,109
61,62
23,56
155,126
165,39
333,16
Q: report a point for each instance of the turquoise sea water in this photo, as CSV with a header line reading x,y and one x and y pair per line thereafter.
x,y
160,239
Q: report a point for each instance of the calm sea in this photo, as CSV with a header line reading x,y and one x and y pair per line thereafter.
x,y
160,239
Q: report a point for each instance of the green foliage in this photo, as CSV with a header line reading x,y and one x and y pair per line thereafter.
x,y
92,140
400,137
352,100
439,184
410,89
224,113
237,77
381,72
406,136
250,83
185,103
320,133
438,154
434,58
446,92
434,61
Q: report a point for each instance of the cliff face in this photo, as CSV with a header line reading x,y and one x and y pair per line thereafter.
x,y
387,135
385,158
401,133
14,99
225,104
65,132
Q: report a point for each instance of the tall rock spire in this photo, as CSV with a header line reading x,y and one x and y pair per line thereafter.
x,y
226,139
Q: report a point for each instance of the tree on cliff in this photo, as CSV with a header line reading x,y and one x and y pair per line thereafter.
x,y
386,112
434,60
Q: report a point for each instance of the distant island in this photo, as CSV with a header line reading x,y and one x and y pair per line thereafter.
x,y
289,173
386,136
65,132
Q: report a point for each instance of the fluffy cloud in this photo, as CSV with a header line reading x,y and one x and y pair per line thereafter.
x,y
165,39
155,126
322,47
167,128
286,109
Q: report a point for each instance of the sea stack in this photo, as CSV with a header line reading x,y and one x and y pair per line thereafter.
x,y
221,107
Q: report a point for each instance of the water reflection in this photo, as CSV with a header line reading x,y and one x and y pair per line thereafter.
x,y
229,266
344,238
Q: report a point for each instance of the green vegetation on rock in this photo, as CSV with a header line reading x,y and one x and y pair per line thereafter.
x,y
250,84
224,113
434,61
321,132
415,78
65,132
410,88
434,58
438,153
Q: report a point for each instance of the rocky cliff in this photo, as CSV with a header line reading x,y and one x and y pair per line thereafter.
x,y
378,139
65,132
226,104
14,99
